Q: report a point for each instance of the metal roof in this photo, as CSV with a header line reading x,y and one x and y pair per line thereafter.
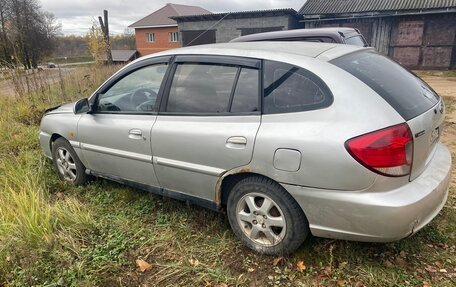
x,y
237,15
319,7
122,55
161,17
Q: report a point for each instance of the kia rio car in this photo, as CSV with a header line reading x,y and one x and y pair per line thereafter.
x,y
290,139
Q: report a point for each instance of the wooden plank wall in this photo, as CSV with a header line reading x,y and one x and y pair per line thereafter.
x,y
377,31
381,34
417,41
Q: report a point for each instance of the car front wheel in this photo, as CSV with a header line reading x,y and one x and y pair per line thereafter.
x,y
67,163
265,216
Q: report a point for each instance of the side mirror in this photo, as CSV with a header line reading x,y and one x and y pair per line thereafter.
x,y
82,106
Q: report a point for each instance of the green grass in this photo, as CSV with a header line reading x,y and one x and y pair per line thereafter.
x,y
55,234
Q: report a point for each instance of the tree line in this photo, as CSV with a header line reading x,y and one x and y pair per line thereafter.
x,y
77,45
27,34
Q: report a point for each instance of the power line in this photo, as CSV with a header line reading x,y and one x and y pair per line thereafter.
x,y
216,23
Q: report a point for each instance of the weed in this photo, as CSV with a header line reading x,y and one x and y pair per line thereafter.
x,y
55,234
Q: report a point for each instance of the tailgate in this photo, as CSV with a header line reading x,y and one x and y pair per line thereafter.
x,y
411,97
426,129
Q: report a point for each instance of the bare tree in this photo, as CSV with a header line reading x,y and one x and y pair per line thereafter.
x,y
27,32
3,36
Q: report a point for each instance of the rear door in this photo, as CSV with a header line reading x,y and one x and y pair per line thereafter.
x,y
411,97
207,123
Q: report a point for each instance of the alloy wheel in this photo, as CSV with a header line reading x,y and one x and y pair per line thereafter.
x,y
66,164
261,219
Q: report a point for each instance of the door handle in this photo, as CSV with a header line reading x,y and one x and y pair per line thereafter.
x,y
135,134
236,142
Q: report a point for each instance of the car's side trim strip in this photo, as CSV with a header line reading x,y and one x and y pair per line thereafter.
x,y
116,152
75,144
188,166
160,191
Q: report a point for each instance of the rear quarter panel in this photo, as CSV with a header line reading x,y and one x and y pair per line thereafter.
x,y
320,135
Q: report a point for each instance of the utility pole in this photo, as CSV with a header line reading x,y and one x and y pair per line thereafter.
x,y
105,29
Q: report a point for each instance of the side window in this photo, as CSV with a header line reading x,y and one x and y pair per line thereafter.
x,y
245,98
136,92
201,88
288,88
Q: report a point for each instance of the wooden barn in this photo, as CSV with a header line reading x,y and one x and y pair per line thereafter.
x,y
417,33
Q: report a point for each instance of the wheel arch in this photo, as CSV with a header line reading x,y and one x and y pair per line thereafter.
x,y
229,179
297,226
54,137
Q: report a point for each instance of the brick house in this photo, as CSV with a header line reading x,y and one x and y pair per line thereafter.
x,y
419,34
157,32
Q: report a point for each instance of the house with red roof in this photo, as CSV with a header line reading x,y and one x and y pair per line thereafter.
x,y
157,32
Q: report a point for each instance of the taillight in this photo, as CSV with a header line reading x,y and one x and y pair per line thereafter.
x,y
388,151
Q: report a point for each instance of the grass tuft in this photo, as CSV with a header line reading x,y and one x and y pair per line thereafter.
x,y
55,234
27,217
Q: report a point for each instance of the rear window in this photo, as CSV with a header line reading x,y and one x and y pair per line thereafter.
x,y
406,93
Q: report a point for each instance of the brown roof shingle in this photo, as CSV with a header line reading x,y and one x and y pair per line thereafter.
x,y
161,16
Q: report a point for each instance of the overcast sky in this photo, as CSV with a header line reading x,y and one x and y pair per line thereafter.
x,y
76,16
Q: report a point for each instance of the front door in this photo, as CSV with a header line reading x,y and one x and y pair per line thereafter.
x,y
207,123
115,137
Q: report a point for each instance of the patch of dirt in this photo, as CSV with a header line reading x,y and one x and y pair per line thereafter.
x,y
446,87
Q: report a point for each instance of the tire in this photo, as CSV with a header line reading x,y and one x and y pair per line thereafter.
x,y
67,163
273,207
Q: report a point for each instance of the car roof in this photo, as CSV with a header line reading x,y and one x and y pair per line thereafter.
x,y
316,32
265,50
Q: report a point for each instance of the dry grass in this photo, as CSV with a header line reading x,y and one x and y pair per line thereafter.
x,y
54,234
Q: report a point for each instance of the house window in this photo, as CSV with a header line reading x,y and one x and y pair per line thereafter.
x,y
150,37
173,36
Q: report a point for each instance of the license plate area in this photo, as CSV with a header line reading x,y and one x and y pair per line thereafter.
x,y
435,135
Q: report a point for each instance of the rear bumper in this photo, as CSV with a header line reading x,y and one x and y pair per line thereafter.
x,y
378,216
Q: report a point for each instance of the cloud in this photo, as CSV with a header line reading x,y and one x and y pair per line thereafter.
x,y
76,16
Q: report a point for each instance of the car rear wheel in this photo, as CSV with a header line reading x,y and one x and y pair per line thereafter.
x,y
265,217
67,164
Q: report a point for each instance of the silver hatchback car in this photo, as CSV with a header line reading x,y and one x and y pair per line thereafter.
x,y
288,138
